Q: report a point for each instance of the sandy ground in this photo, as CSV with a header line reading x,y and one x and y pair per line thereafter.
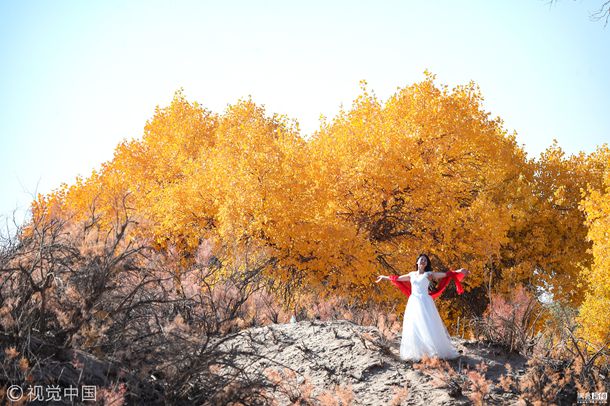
x,y
340,354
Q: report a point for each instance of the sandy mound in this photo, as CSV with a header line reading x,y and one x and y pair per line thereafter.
x,y
345,360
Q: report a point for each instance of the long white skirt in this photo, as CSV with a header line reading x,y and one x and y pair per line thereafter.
x,y
423,331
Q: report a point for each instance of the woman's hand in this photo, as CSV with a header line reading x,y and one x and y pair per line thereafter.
x,y
380,278
464,271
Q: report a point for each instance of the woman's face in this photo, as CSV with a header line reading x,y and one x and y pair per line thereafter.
x,y
422,262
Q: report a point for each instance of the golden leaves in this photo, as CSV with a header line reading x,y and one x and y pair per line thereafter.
x,y
594,310
426,170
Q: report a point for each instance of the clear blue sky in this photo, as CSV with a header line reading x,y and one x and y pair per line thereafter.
x,y
76,77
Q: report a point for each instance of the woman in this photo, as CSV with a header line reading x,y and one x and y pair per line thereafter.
x,y
423,331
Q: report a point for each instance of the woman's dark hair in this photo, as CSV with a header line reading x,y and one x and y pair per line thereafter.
x,y
428,263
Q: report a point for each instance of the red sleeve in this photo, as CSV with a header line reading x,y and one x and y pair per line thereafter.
x,y
456,277
404,286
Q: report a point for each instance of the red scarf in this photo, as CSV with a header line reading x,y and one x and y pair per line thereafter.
x,y
405,286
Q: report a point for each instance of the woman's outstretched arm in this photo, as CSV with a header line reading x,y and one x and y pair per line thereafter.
x,y
401,278
440,275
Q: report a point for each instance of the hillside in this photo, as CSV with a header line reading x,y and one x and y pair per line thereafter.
x,y
340,360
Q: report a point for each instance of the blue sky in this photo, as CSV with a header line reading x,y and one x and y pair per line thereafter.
x,y
77,77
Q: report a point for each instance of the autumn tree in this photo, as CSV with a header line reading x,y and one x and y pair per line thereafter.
x,y
428,170
594,310
548,237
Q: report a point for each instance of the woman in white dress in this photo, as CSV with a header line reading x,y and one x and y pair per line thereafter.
x,y
423,331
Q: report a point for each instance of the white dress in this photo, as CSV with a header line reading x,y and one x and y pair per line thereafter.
x,y
423,330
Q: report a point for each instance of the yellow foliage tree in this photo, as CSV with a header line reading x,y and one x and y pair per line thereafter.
x,y
548,246
593,315
428,170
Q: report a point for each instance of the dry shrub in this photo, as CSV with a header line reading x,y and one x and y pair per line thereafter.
x,y
109,310
442,373
561,366
560,378
478,384
399,395
338,396
314,305
542,383
112,396
300,391
512,323
507,381
285,384
473,383
267,308
384,345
